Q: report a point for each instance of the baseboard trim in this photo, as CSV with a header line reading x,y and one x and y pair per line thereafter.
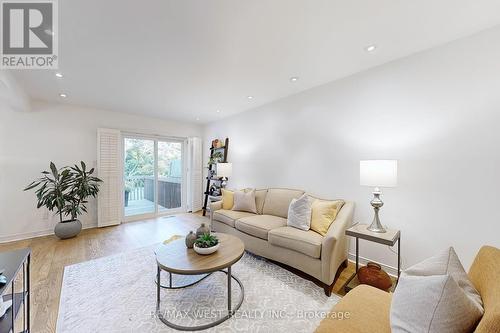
x,y
34,234
391,270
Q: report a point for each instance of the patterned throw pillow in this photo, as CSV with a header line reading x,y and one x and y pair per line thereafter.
x,y
299,213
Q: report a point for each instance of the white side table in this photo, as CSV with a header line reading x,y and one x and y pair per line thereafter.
x,y
390,237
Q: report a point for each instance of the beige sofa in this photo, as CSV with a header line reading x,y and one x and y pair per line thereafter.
x,y
267,234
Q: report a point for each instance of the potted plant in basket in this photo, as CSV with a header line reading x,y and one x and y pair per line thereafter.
x,y
206,244
66,191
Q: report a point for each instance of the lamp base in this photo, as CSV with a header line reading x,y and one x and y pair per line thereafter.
x,y
376,203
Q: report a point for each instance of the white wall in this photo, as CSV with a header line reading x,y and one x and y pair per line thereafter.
x,y
64,135
437,112
12,95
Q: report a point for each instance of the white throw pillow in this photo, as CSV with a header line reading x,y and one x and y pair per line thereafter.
x,y
299,213
244,201
436,296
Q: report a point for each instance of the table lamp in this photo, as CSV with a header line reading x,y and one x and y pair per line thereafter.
x,y
224,170
378,173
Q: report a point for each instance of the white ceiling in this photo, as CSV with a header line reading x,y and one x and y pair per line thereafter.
x,y
185,59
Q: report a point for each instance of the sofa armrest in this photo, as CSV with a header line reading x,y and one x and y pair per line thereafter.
x,y
335,245
214,205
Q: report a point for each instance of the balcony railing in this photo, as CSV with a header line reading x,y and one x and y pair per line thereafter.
x,y
141,195
169,191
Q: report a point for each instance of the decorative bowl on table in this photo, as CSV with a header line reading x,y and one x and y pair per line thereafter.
x,y
206,250
206,244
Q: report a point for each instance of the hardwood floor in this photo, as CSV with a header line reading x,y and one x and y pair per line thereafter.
x,y
50,255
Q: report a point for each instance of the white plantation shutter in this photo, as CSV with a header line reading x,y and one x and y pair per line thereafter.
x,y
109,170
195,175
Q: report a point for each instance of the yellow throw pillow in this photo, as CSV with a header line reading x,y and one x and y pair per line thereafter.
x,y
323,214
227,199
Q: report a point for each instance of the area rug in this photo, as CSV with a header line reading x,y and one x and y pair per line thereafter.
x,y
118,294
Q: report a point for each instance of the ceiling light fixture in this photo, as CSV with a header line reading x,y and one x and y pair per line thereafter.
x,y
294,79
370,48
250,97
63,95
218,111
59,75
197,118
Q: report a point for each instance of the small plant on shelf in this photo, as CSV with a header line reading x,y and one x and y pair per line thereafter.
x,y
206,241
215,158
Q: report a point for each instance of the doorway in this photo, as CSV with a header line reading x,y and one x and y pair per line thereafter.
x,y
154,177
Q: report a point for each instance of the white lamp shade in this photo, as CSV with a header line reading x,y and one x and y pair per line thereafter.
x,y
378,173
224,169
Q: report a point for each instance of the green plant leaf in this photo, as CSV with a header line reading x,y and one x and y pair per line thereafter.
x,y
54,170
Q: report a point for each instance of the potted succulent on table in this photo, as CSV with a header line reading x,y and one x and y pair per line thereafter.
x,y
206,244
66,191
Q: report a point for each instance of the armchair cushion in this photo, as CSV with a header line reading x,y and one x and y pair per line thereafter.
x,y
484,274
364,309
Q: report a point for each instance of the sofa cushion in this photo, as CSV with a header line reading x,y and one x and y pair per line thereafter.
x,y
364,309
260,197
259,225
229,216
278,200
306,242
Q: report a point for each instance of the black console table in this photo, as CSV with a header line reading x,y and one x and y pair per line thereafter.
x,y
13,262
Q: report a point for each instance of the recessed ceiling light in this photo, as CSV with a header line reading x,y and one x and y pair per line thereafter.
x,y
370,48
250,97
218,111
59,75
294,79
63,95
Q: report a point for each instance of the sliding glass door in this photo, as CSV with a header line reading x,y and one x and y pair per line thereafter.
x,y
170,170
153,176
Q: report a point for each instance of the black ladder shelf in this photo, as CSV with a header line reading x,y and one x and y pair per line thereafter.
x,y
213,151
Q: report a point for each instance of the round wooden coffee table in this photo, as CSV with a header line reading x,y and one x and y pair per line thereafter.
x,y
176,258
